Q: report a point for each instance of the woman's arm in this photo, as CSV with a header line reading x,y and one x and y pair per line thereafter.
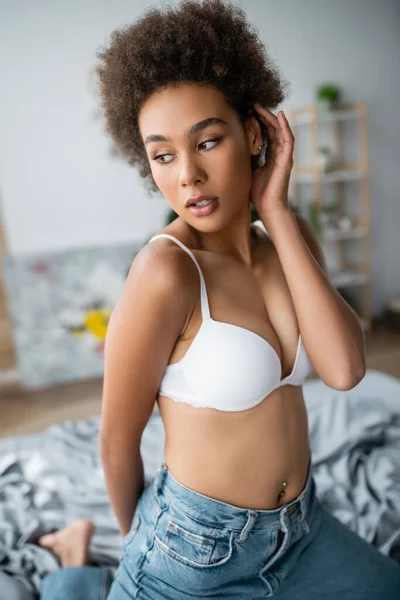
x,y
142,332
331,330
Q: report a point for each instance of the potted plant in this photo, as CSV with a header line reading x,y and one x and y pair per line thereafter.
x,y
328,96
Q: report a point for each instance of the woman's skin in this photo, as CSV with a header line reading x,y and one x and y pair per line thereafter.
x,y
252,281
245,287
71,544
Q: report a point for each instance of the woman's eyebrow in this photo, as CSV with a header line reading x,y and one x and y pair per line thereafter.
x,y
190,132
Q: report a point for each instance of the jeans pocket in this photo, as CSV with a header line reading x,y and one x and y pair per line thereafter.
x,y
191,542
195,550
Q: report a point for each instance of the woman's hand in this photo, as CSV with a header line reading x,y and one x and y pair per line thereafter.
x,y
269,190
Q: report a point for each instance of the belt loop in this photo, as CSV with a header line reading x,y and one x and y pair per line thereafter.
x,y
159,478
304,512
252,515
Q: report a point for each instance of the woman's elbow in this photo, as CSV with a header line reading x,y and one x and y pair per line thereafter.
x,y
350,381
115,448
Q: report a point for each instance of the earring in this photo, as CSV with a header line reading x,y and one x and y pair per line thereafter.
x,y
260,148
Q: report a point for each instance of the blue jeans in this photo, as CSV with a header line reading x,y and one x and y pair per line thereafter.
x,y
185,545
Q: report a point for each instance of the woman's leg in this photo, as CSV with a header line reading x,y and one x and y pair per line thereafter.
x,y
71,544
339,564
76,579
77,583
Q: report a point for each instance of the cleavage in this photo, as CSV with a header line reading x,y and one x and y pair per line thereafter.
x,y
220,305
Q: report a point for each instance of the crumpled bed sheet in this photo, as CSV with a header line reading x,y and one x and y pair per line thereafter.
x,y
51,478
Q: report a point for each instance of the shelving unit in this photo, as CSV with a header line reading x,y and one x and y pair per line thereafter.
x,y
7,351
309,122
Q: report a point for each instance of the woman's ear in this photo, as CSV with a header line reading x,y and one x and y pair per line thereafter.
x,y
254,133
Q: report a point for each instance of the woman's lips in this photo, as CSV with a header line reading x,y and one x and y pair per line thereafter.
x,y
203,211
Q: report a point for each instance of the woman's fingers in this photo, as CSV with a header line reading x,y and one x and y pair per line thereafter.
x,y
288,137
272,124
287,132
268,117
279,124
278,130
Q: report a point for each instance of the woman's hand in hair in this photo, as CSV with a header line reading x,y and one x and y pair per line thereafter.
x,y
269,191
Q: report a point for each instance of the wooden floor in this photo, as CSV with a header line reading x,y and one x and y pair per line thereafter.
x,y
26,412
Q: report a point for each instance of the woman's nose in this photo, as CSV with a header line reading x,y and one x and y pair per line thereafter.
x,y
190,173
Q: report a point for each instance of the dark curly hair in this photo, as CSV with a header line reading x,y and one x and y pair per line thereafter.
x,y
201,41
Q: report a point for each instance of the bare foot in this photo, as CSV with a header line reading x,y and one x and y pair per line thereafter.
x,y
71,544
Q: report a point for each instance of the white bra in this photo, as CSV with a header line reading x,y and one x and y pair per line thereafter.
x,y
228,367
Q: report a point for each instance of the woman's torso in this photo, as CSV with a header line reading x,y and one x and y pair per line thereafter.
x,y
241,458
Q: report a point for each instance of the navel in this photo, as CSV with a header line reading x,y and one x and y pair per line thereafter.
x,y
282,492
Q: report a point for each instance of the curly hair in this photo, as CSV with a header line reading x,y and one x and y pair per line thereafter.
x,y
201,41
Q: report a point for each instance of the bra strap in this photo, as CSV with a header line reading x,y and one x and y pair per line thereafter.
x,y
260,225
205,309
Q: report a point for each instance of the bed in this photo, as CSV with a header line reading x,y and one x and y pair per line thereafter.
x,y
49,479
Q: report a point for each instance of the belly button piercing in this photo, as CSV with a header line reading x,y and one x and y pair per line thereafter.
x,y
282,493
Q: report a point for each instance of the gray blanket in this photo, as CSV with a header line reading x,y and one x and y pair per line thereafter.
x,y
49,479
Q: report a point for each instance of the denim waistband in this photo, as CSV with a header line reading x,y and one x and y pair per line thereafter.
x,y
216,513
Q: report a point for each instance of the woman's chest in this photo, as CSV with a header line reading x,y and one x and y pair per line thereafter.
x,y
254,299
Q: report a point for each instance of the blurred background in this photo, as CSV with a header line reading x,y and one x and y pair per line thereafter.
x,y
73,214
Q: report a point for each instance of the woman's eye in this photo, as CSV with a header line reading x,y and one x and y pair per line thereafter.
x,y
208,141
157,158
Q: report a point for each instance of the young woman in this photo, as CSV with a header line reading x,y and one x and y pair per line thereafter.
x,y
220,323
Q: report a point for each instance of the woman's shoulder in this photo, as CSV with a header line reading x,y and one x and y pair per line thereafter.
x,y
162,259
180,230
162,264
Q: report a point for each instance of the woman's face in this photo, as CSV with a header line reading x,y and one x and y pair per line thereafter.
x,y
214,159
